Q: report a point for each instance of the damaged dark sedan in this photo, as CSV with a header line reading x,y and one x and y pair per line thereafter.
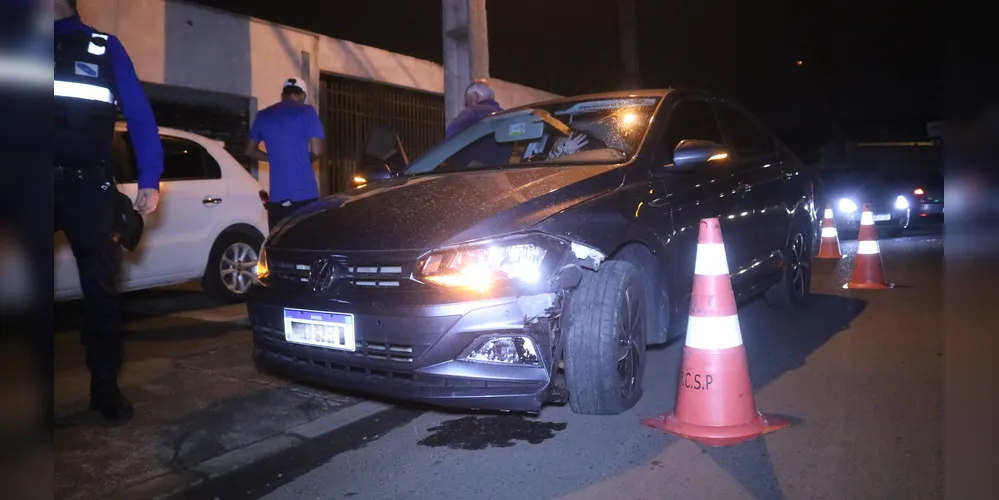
x,y
531,258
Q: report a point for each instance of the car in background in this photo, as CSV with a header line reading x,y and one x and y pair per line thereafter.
x,y
532,257
847,190
209,225
927,198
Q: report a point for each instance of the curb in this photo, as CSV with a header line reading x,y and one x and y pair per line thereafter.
x,y
172,483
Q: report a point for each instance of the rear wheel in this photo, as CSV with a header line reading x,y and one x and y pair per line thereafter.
x,y
605,344
231,267
794,288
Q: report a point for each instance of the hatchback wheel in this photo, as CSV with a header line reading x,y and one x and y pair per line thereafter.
x,y
231,268
605,344
795,285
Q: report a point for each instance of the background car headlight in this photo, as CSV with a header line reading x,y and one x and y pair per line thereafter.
x,y
901,202
481,266
847,205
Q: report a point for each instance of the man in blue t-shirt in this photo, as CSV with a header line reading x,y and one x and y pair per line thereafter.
x,y
294,138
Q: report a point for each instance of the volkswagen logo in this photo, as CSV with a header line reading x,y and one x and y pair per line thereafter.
x,y
322,275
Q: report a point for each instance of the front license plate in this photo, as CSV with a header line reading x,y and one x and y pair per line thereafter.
x,y
320,329
882,217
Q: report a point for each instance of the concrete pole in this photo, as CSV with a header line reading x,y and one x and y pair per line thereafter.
x,y
466,50
628,29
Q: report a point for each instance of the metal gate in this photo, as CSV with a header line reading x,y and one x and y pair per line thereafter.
x,y
349,107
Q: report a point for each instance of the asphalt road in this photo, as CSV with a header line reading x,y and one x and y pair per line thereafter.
x,y
859,372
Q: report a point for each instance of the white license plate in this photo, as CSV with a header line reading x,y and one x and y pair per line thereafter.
x,y
882,217
320,329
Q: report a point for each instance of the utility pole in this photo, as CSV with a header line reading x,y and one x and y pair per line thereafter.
x,y
466,50
627,25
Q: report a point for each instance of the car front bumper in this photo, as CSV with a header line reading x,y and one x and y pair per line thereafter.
x,y
410,351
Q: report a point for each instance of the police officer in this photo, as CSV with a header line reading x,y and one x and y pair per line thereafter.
x,y
93,76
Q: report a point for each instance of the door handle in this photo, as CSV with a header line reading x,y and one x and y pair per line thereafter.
x,y
211,200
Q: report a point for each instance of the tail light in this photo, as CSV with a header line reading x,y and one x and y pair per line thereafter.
x,y
264,198
918,192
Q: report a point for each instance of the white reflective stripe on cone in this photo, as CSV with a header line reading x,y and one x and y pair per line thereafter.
x,y
82,91
867,248
710,260
713,333
829,232
866,219
828,214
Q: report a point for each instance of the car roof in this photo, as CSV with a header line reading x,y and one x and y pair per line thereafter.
x,y
173,132
618,94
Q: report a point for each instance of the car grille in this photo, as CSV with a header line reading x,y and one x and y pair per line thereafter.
x,y
294,269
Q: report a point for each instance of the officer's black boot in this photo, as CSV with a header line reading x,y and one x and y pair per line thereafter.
x,y
106,397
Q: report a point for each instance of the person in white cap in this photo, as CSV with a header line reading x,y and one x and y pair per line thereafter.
x,y
294,136
480,102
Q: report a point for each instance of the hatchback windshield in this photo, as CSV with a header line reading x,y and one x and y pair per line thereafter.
x,y
578,132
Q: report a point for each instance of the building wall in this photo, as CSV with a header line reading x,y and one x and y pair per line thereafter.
x,y
188,45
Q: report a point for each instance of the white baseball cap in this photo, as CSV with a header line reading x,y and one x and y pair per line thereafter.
x,y
294,82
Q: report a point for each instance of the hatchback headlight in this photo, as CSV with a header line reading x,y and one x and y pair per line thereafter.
x,y
483,265
901,202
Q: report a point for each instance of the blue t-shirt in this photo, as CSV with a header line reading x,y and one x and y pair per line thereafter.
x,y
285,129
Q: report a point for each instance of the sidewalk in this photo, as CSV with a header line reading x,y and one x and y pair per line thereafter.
x,y
201,408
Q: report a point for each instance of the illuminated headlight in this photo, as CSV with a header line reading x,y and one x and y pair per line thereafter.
x,y
901,202
515,350
261,269
481,266
847,205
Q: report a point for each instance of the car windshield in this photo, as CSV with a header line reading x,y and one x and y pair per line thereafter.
x,y
579,132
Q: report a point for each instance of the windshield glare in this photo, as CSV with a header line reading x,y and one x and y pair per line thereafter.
x,y
599,131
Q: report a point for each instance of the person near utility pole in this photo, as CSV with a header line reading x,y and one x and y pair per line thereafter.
x,y
293,134
480,102
92,75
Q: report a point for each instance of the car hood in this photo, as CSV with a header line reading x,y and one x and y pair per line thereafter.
x,y
428,211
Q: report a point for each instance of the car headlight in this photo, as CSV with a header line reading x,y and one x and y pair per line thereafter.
x,y
482,266
847,205
901,202
261,268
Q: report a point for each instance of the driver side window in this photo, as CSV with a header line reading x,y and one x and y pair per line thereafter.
x,y
690,120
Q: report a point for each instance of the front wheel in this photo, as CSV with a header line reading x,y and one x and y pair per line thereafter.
x,y
231,267
794,288
605,344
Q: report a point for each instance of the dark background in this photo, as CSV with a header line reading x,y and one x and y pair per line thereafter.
x,y
868,68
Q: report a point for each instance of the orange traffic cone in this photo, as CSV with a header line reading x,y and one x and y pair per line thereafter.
x,y
714,404
829,248
868,269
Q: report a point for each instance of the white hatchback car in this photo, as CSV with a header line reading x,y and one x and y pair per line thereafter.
x,y
209,225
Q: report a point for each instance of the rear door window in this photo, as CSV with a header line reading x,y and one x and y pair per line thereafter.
x,y
183,160
748,139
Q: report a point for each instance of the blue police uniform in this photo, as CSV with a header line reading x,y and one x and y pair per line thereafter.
x,y
94,76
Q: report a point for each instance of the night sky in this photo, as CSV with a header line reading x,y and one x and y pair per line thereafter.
x,y
862,62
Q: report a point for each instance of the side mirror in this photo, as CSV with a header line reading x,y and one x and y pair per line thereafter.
x,y
693,152
377,171
382,147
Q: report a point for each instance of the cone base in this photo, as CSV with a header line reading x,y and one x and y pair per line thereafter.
x,y
870,286
718,436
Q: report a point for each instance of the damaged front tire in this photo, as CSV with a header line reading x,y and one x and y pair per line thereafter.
x,y
605,343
